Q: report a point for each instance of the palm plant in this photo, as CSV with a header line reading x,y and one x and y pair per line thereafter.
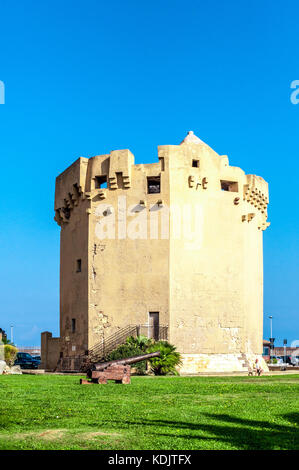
x,y
168,361
141,342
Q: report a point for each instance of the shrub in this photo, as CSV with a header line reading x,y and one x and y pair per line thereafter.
x,y
10,353
168,360
141,342
165,364
128,350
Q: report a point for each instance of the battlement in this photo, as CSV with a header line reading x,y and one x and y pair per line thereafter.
x,y
190,166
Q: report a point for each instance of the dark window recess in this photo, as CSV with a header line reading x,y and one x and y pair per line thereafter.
x,y
195,163
119,180
66,212
154,325
73,325
229,186
79,265
153,184
100,182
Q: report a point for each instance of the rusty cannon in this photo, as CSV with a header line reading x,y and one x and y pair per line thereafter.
x,y
118,370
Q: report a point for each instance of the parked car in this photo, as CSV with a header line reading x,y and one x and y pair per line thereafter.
x,y
290,360
38,358
26,361
295,360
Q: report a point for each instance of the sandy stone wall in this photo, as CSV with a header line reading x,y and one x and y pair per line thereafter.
x,y
50,351
194,364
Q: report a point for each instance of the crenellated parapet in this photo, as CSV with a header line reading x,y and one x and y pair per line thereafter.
x,y
191,166
120,169
91,179
255,192
69,190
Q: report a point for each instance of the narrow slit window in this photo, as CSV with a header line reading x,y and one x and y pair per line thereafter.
x,y
79,265
119,180
101,182
73,325
153,184
195,163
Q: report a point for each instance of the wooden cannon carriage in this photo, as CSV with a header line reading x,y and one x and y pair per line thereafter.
x,y
118,370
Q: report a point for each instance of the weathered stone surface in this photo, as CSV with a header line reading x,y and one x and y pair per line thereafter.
x,y
2,366
5,369
15,370
208,363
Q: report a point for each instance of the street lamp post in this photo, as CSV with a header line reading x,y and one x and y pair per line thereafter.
x,y
271,326
11,333
285,342
271,338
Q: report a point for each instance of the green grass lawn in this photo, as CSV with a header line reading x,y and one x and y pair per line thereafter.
x,y
175,413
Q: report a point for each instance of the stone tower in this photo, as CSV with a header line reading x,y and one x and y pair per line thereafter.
x,y
176,243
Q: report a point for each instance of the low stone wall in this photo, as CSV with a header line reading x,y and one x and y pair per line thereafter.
x,y
50,351
204,363
281,367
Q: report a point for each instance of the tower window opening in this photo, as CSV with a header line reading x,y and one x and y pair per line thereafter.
x,y
153,184
79,265
101,182
231,186
119,180
73,325
153,321
195,163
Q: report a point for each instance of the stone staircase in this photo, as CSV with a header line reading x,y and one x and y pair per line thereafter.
x,y
104,347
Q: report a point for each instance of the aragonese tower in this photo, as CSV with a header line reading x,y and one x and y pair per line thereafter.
x,y
172,248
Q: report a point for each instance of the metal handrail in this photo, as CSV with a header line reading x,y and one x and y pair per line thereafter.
x,y
98,351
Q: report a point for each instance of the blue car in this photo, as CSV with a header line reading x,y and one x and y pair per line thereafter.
x,y
26,361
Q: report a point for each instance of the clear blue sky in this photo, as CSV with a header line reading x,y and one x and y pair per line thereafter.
x,y
84,78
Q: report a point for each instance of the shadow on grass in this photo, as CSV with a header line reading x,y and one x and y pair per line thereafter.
x,y
237,432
